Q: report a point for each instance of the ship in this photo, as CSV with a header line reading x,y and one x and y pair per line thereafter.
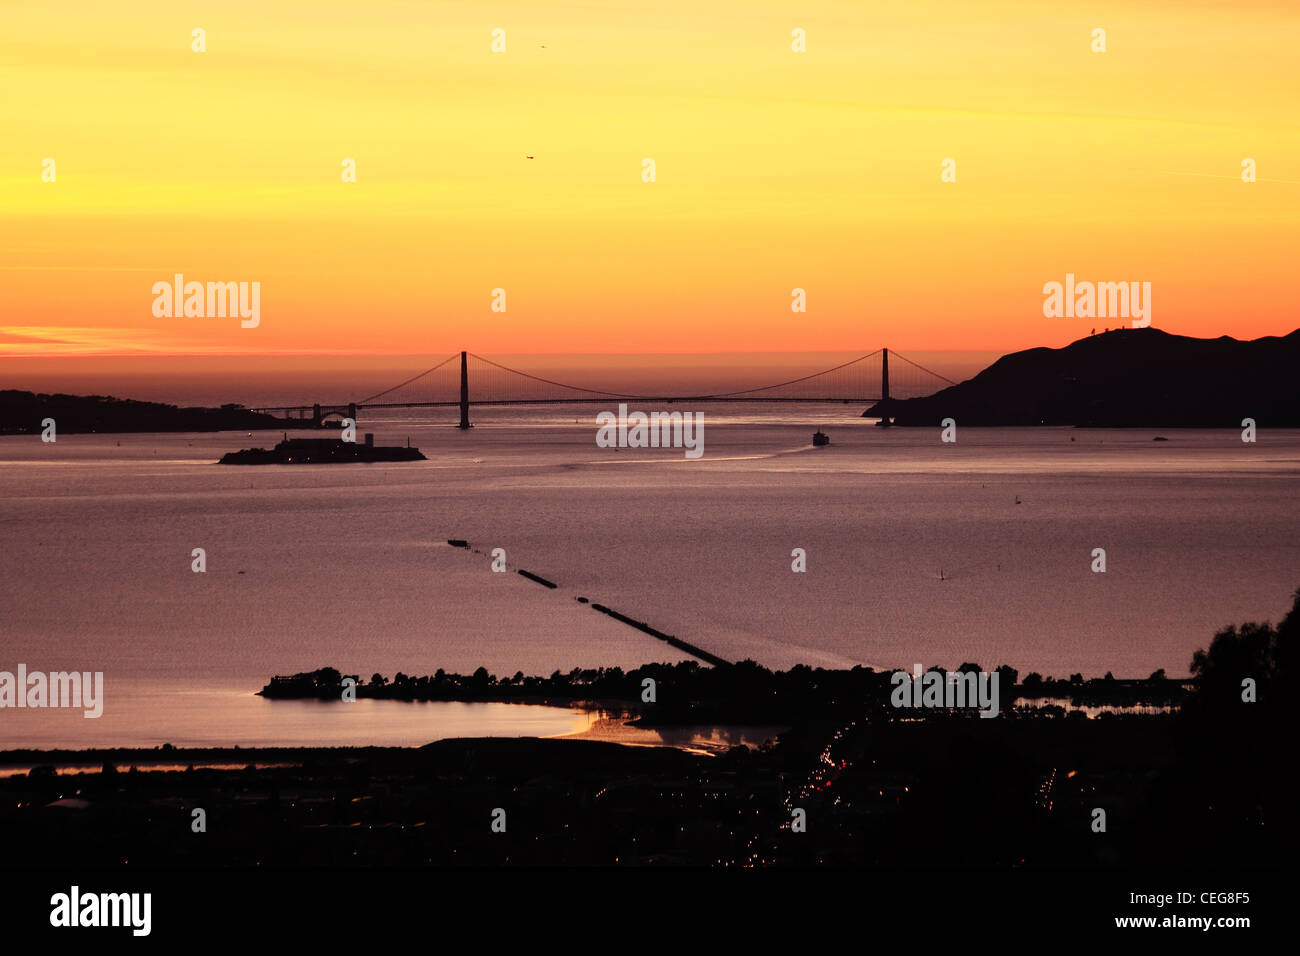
x,y
322,451
821,438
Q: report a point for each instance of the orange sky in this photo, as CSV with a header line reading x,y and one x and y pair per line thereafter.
x,y
775,170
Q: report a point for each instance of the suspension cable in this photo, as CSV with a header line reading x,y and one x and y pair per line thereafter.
x,y
365,401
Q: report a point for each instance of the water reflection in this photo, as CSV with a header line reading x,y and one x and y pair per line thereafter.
x,y
695,738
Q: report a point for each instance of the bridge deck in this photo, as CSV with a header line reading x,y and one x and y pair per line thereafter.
x,y
664,399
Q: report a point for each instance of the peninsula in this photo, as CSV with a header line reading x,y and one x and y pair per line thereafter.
x,y
1125,378
21,413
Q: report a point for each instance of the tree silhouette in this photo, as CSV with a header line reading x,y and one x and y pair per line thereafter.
x,y
1258,652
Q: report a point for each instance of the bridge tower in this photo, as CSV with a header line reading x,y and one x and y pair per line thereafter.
x,y
315,414
884,388
464,391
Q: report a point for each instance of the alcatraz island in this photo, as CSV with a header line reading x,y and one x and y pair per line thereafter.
x,y
322,451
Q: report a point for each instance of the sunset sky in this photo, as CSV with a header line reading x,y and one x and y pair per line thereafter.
x,y
775,170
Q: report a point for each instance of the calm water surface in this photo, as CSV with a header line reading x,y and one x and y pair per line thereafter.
x,y
917,552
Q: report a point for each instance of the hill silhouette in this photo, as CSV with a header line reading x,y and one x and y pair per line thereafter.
x,y
22,413
1125,378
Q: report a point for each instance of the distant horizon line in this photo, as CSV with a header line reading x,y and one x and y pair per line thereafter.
x,y
436,354
332,354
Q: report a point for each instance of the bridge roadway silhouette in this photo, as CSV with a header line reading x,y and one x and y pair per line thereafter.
x,y
849,382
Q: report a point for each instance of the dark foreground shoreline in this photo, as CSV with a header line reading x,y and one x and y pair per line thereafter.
x,y
744,693
856,780
939,791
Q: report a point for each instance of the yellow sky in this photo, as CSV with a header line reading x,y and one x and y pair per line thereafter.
x,y
775,170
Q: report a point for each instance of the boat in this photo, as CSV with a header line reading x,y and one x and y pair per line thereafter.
x,y
821,438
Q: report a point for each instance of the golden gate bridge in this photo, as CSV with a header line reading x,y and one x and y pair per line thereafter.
x,y
445,385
